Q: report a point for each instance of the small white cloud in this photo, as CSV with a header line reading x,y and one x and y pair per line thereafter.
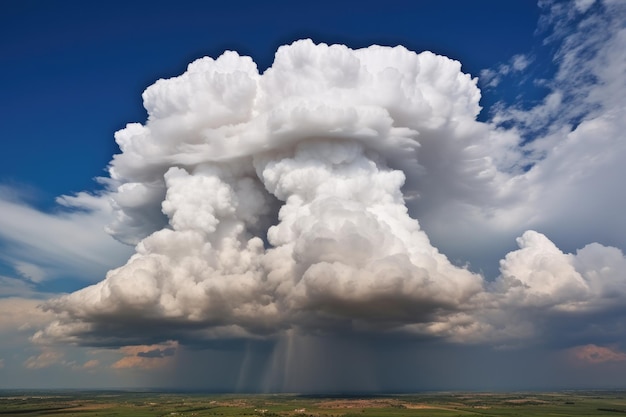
x,y
491,78
520,62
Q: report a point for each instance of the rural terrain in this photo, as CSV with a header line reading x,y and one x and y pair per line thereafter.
x,y
151,404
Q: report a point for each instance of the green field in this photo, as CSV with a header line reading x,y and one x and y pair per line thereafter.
x,y
115,403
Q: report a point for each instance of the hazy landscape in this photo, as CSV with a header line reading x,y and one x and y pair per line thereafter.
x,y
119,403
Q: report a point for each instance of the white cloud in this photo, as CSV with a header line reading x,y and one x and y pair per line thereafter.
x,y
578,164
328,151
520,62
583,5
491,78
70,242
589,59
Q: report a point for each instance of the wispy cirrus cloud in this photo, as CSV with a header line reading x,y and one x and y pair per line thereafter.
x,y
491,78
69,242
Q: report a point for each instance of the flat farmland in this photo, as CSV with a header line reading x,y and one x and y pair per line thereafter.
x,y
140,404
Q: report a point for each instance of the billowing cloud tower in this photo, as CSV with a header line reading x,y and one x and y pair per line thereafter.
x,y
264,202
288,203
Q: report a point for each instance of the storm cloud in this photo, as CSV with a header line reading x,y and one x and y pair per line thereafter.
x,y
303,202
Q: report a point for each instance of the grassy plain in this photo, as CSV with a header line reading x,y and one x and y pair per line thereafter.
x,y
135,404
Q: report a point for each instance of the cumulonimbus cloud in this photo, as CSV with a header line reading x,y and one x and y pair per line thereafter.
x,y
274,201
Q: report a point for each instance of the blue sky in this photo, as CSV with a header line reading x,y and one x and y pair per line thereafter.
x,y
513,214
73,72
